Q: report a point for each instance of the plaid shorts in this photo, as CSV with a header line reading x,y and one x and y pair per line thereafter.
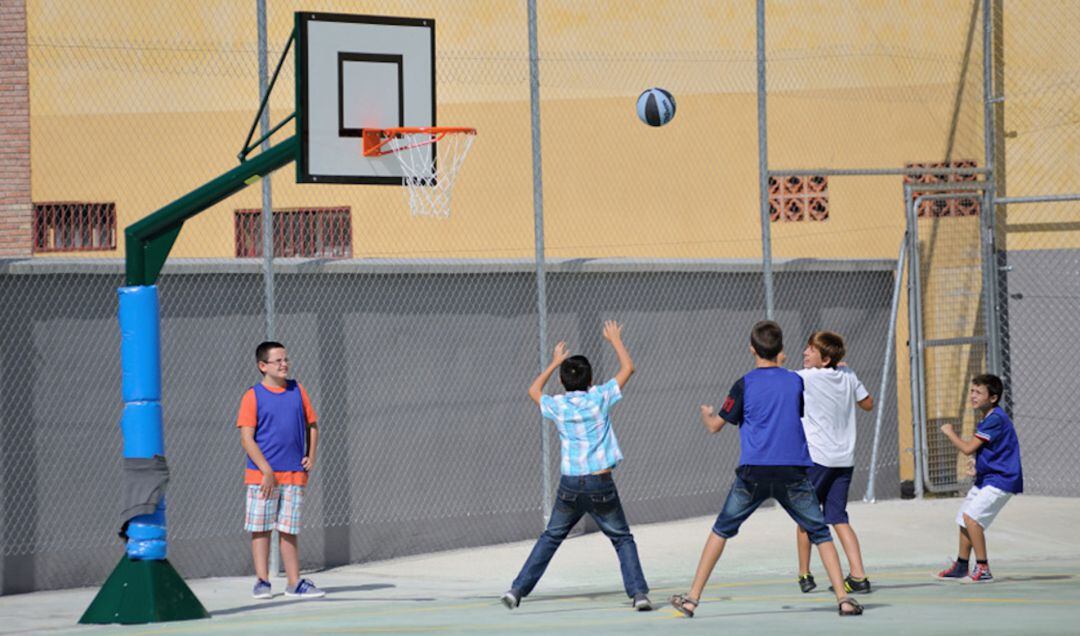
x,y
282,507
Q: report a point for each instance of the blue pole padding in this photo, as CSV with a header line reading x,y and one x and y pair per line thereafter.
x,y
141,424
140,348
142,429
146,535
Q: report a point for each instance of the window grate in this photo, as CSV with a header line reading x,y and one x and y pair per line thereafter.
x,y
74,226
298,233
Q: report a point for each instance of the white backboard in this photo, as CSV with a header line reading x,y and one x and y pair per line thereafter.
x,y
355,72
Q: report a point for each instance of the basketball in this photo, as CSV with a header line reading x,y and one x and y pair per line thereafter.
x,y
655,107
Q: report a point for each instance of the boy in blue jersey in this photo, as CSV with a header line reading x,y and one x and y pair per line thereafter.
x,y
767,406
998,476
589,453
279,433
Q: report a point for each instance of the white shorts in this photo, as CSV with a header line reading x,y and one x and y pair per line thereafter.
x,y
982,505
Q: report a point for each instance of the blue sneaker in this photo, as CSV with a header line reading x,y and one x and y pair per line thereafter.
x,y
304,589
261,589
955,572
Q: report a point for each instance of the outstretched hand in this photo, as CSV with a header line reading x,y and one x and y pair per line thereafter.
x,y
561,353
612,331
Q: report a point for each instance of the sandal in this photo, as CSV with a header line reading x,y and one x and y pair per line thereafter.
x,y
856,607
679,602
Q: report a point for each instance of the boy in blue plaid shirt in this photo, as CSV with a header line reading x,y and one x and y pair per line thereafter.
x,y
589,453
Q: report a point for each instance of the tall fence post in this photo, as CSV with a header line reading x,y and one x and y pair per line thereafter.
x,y
538,229
268,229
763,164
989,212
883,388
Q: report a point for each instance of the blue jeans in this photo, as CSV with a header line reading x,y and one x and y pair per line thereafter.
x,y
788,485
578,495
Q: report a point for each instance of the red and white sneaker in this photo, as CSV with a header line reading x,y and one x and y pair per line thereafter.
x,y
980,574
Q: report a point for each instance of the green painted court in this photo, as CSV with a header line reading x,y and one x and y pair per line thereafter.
x,y
752,591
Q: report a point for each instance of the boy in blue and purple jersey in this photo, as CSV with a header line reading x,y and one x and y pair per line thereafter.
x,y
279,434
767,406
589,453
998,476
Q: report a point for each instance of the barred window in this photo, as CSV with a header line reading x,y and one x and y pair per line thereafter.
x,y
796,199
960,206
73,226
298,232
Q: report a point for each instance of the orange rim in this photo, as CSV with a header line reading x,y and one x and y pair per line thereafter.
x,y
375,139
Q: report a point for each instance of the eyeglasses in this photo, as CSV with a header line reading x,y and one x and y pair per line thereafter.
x,y
281,362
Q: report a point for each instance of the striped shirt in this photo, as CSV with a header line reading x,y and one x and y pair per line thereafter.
x,y
587,442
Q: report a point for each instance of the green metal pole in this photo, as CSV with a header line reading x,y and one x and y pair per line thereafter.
x,y
150,239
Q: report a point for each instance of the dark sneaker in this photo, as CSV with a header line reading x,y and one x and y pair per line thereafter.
x,y
261,589
981,574
954,572
304,589
806,582
642,603
853,585
511,599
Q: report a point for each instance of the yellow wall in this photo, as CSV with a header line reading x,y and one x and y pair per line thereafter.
x,y
138,102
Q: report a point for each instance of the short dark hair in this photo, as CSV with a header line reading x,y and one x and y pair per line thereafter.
x,y
830,345
262,352
993,385
767,339
575,373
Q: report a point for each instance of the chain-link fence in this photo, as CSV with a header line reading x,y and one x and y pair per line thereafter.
x,y
418,345
1036,98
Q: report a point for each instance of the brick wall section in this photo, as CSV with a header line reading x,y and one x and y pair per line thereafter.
x,y
16,210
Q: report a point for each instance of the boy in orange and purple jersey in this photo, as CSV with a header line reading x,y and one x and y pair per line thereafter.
x,y
279,434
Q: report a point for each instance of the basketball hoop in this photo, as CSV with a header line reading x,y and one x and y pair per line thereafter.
x,y
428,181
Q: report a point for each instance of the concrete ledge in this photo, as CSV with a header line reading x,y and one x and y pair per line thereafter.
x,y
181,267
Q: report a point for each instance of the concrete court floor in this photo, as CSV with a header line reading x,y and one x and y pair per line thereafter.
x,y
1033,548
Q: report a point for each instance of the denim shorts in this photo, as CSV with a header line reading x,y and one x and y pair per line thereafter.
x,y
788,485
831,485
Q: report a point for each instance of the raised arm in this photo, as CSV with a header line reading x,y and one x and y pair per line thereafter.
x,y
613,334
967,447
536,389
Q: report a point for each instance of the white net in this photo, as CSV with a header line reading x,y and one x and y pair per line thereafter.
x,y
428,177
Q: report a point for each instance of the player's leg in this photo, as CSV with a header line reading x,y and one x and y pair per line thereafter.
x,y
958,569
850,542
260,554
796,495
743,499
606,509
566,512
977,518
802,543
290,558
259,515
977,537
834,503
288,525
820,477
970,502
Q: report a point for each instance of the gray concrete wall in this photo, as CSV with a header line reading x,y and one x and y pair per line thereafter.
x,y
418,374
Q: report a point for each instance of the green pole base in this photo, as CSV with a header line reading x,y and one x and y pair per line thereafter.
x,y
143,592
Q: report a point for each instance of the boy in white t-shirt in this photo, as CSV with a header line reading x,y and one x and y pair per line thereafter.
x,y
830,392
